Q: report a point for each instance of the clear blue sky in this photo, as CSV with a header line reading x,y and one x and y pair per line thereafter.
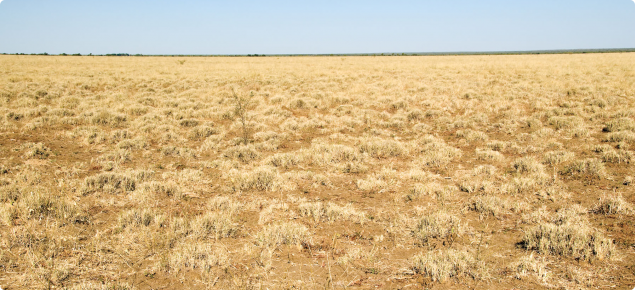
x,y
270,27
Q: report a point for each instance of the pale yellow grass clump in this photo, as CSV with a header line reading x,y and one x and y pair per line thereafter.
x,y
330,212
587,167
197,255
260,178
114,182
35,150
570,235
358,254
90,285
621,136
495,206
272,211
440,225
283,234
377,183
214,225
442,265
435,152
530,265
620,124
383,148
613,204
557,157
136,218
488,154
39,205
527,165
433,189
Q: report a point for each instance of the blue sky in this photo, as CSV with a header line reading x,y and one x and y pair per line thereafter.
x,y
279,27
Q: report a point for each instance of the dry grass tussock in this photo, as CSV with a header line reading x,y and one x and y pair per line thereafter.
x,y
439,225
443,265
569,235
311,172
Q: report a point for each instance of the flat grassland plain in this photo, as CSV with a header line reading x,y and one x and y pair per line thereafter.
x,y
441,172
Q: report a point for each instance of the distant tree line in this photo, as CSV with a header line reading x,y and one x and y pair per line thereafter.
x,y
571,51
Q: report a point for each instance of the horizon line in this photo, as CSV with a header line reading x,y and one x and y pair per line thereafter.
x,y
449,53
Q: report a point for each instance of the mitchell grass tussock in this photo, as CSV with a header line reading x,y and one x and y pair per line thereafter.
x,y
201,132
377,183
137,218
489,155
435,152
530,265
471,135
225,204
557,157
243,153
214,225
495,206
91,285
587,167
613,205
283,160
109,182
372,184
178,152
330,212
379,148
38,205
442,265
620,124
358,254
169,188
10,193
328,154
434,189
568,122
197,255
571,239
35,150
439,225
288,233
272,211
527,165
617,156
105,118
260,178
621,136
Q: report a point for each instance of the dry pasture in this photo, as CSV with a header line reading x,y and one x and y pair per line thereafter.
x,y
439,172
